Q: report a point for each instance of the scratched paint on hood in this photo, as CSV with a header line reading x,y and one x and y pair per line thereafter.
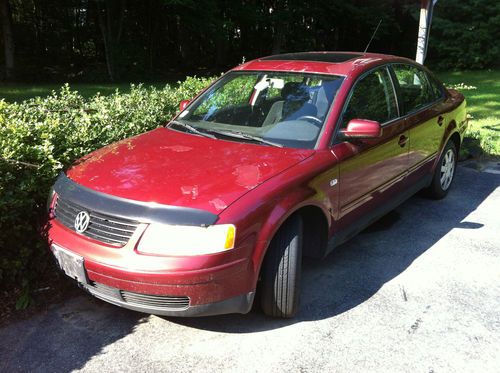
x,y
248,176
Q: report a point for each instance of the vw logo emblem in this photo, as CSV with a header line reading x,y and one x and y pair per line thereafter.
x,y
82,221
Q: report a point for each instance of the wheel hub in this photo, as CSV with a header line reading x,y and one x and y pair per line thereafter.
x,y
447,169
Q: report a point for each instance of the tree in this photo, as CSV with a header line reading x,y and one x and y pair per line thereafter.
x,y
8,38
165,39
465,34
111,24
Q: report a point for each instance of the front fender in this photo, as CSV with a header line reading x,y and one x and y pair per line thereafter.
x,y
260,213
278,215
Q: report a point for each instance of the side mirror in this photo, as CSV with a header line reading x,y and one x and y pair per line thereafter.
x,y
183,104
361,129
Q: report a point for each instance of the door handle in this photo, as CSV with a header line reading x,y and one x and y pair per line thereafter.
x,y
402,140
440,120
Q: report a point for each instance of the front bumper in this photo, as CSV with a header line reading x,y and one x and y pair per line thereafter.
x,y
212,284
238,304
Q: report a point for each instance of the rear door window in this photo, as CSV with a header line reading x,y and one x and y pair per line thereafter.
x,y
416,90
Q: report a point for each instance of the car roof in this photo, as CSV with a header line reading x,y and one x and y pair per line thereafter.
x,y
332,57
335,63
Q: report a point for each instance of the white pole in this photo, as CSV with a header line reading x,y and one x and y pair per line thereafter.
x,y
422,32
426,8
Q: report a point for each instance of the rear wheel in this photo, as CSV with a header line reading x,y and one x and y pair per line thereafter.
x,y
444,173
281,271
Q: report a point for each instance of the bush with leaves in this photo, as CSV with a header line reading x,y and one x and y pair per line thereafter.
x,y
42,136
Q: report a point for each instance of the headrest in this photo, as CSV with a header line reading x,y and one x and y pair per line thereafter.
x,y
295,91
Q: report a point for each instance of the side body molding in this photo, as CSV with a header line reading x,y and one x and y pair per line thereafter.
x,y
144,212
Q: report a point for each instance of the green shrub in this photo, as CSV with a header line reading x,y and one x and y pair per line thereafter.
x,y
42,136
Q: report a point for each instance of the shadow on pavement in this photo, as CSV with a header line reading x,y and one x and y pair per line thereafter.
x,y
69,335
65,337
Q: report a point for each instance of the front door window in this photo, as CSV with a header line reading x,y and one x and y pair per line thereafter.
x,y
372,98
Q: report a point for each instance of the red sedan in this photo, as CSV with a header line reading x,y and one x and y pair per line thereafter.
x,y
282,157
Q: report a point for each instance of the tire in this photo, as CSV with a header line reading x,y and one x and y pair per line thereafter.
x,y
281,271
444,173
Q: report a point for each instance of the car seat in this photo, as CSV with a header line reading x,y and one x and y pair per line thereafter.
x,y
294,104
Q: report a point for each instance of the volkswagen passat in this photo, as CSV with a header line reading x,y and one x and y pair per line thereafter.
x,y
282,157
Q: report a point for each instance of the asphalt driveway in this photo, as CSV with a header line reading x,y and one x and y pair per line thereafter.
x,y
418,291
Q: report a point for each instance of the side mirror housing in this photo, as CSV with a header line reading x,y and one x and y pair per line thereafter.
x,y
361,129
183,104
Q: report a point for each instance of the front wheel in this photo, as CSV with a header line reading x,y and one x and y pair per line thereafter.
x,y
281,271
444,173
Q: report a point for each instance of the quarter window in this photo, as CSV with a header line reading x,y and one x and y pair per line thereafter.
x,y
416,91
372,98
437,87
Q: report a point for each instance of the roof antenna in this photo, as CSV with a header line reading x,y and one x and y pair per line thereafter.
x,y
374,32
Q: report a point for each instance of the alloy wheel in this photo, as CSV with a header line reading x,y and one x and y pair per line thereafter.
x,y
447,169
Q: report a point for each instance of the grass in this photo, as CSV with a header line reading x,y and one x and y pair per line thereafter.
x,y
483,104
483,101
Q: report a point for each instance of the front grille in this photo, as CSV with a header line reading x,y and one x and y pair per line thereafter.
x,y
102,227
159,302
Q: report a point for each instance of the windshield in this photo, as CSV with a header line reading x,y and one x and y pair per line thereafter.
x,y
270,108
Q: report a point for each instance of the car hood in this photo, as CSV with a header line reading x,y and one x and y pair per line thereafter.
x,y
174,168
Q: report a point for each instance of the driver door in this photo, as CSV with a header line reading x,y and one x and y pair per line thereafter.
x,y
371,171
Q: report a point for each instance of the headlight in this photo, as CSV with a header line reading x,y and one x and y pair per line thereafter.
x,y
184,240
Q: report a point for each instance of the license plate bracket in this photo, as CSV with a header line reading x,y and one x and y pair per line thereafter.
x,y
70,263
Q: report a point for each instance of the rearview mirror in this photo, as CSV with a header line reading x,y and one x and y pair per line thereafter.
x,y
183,104
361,129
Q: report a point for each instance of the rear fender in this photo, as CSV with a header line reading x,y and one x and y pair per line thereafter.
x,y
457,123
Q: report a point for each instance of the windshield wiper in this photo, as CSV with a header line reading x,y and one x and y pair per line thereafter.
x,y
191,129
245,136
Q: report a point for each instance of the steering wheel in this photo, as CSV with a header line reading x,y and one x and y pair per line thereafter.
x,y
311,118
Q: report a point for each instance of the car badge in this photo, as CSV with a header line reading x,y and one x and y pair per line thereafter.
x,y
82,221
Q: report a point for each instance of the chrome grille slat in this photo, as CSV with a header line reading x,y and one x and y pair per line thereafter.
x,y
104,289
95,215
158,299
69,210
159,302
66,222
63,213
105,228
152,296
108,231
103,238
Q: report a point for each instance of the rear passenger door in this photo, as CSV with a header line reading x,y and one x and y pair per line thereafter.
x,y
421,101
